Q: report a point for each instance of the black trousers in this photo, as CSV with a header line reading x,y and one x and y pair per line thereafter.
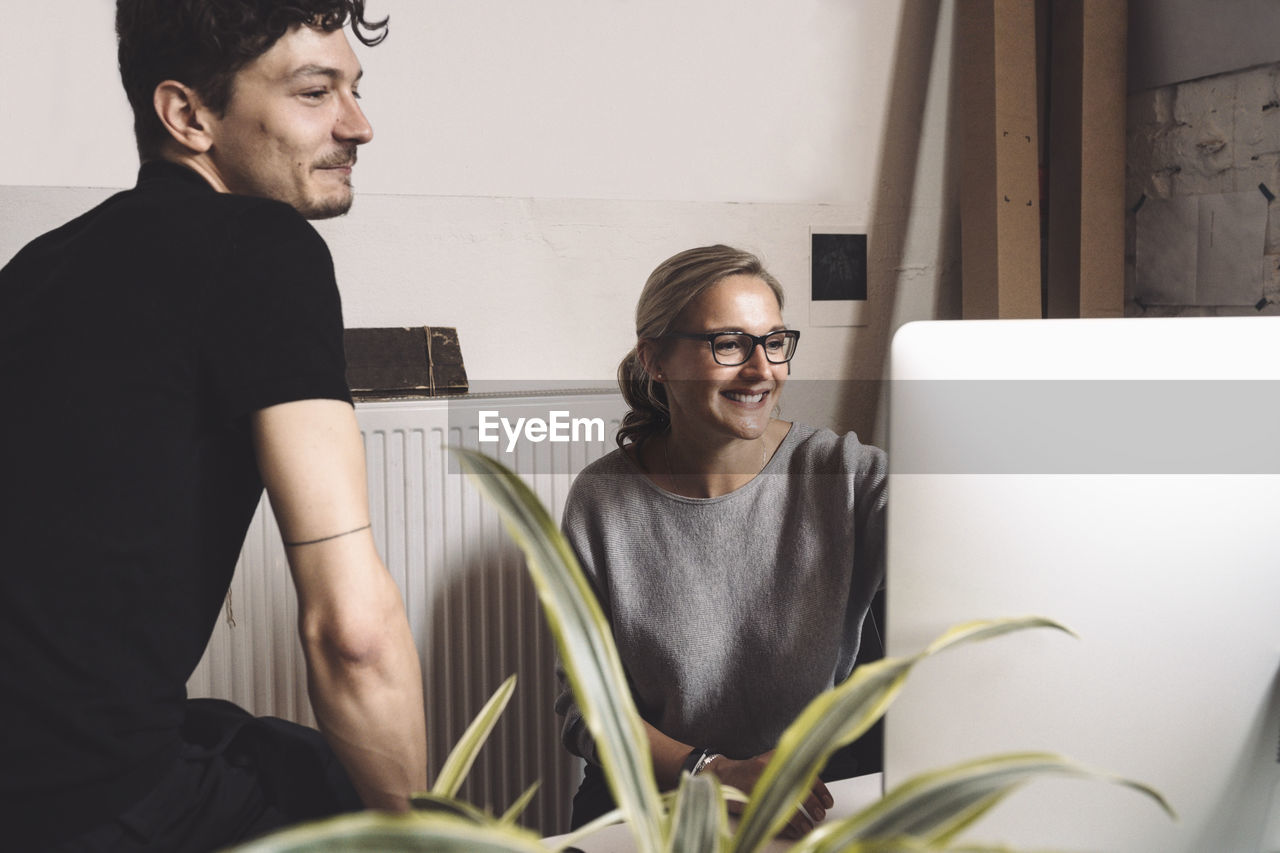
x,y
238,777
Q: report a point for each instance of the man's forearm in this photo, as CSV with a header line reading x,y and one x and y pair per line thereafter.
x,y
371,712
362,665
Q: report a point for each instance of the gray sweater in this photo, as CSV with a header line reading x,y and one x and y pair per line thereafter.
x,y
732,613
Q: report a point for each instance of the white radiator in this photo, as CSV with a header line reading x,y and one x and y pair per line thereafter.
x,y
472,608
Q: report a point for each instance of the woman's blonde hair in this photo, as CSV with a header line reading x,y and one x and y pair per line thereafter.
x,y
671,287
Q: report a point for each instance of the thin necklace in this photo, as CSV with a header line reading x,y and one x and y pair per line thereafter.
x,y
666,452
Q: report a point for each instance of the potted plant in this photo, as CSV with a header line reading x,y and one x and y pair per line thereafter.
x,y
927,812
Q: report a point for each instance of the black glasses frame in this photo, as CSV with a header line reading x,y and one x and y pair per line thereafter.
x,y
756,341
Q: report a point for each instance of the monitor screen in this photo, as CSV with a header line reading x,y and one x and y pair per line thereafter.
x,y
1122,477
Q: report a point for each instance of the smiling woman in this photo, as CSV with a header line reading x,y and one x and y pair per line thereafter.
x,y
736,554
723,375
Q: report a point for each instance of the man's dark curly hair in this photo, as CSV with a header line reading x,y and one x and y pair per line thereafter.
x,y
203,43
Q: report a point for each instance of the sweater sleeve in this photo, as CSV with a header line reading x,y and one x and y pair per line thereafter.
x,y
870,474
867,490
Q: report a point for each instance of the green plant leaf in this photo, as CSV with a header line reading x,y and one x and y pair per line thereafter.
x,y
585,643
512,814
832,719
838,717
400,833
699,819
607,819
437,804
904,845
986,629
941,805
910,845
936,806
464,752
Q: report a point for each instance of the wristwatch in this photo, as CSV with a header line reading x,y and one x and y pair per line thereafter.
x,y
697,760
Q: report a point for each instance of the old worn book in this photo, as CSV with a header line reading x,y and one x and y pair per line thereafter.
x,y
421,361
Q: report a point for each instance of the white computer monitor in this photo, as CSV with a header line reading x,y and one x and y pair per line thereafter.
x,y
1123,477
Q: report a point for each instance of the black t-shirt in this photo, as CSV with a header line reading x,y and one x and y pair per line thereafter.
x,y
135,341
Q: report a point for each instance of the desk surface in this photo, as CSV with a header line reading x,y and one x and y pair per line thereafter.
x,y
850,795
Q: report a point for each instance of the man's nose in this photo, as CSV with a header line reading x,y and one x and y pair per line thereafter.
x,y
352,126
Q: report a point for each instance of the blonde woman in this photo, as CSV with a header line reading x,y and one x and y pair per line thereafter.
x,y
736,554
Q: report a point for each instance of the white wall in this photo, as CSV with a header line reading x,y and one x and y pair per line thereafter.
x,y
533,161
662,99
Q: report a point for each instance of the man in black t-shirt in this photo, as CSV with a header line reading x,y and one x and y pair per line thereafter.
x,y
167,355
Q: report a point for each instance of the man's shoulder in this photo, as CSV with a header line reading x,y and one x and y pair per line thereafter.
x,y
172,193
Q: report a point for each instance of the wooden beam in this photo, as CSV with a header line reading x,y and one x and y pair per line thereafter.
x,y
1085,275
1000,196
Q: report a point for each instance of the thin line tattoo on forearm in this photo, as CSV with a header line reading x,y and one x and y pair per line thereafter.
x,y
327,538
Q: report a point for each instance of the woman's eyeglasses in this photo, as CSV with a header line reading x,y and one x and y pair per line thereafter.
x,y
733,348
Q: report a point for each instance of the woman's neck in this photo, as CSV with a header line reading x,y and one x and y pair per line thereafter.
x,y
695,468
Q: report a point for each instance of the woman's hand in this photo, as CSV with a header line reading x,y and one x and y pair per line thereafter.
x,y
669,755
744,774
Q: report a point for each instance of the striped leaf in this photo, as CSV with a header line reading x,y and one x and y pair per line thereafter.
x,y
585,643
436,804
458,764
699,820
512,814
587,829
414,832
838,717
912,845
933,808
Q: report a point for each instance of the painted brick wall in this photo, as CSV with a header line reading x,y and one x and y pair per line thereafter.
x,y
1203,138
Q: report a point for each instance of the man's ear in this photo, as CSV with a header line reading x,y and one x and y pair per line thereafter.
x,y
184,115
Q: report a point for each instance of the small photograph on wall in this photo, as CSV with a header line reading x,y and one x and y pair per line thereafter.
x,y
838,276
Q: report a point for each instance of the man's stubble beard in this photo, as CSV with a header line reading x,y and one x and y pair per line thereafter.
x,y
339,207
